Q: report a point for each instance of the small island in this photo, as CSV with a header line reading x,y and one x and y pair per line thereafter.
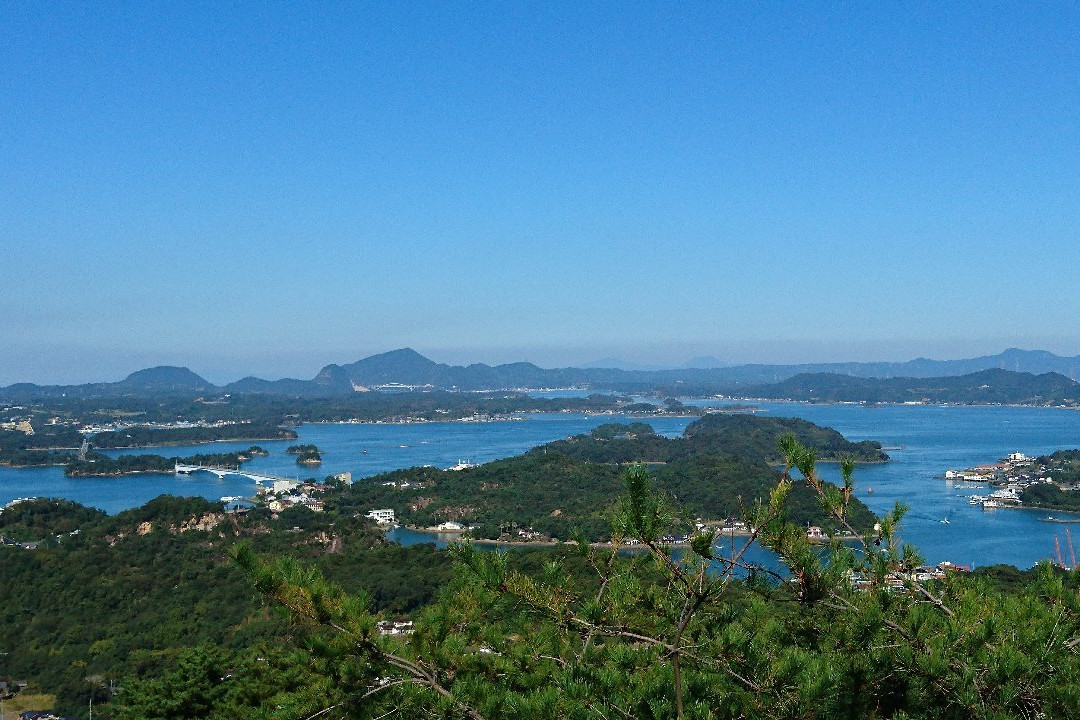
x,y
98,465
305,454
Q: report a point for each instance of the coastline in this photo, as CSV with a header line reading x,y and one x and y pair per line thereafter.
x,y
27,467
458,535
119,474
516,416
1038,508
197,442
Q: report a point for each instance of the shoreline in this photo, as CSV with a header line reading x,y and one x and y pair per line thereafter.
x,y
120,474
458,535
517,416
198,442
27,467
1038,508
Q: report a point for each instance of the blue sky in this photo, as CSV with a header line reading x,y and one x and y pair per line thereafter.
x,y
264,188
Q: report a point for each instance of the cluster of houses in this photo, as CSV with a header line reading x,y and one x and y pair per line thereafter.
x,y
286,493
22,425
283,493
93,429
1012,475
394,627
899,582
386,517
1013,466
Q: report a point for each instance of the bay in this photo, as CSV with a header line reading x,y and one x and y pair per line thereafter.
x,y
363,449
934,438
938,438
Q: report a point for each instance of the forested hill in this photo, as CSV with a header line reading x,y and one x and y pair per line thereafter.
x,y
152,382
980,388
721,466
122,596
744,436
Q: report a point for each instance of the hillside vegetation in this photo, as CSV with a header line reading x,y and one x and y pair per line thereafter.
x,y
722,465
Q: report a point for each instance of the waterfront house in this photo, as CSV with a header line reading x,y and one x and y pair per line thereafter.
x,y
384,516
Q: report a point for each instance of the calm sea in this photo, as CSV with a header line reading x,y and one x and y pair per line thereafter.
x,y
934,439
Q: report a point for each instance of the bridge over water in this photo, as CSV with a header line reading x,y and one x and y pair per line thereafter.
x,y
222,471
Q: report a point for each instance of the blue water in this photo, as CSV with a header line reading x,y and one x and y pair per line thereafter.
x,y
935,439
363,450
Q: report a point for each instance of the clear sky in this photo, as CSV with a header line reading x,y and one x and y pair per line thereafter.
x,y
266,187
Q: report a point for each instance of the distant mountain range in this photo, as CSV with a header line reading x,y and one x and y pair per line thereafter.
x,y
983,387
406,369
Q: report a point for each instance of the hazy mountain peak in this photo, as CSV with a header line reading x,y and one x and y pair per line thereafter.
x,y
166,377
400,356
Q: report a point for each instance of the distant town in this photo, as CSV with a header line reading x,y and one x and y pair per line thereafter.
x,y
1044,482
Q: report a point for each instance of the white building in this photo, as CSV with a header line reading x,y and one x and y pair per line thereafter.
x,y
450,526
383,517
284,486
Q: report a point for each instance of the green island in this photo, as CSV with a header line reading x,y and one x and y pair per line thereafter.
x,y
141,437
306,454
179,610
98,465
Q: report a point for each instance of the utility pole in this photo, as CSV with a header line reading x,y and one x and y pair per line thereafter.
x,y
3,713
95,682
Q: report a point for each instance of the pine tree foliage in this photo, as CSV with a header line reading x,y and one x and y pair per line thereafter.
x,y
846,632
